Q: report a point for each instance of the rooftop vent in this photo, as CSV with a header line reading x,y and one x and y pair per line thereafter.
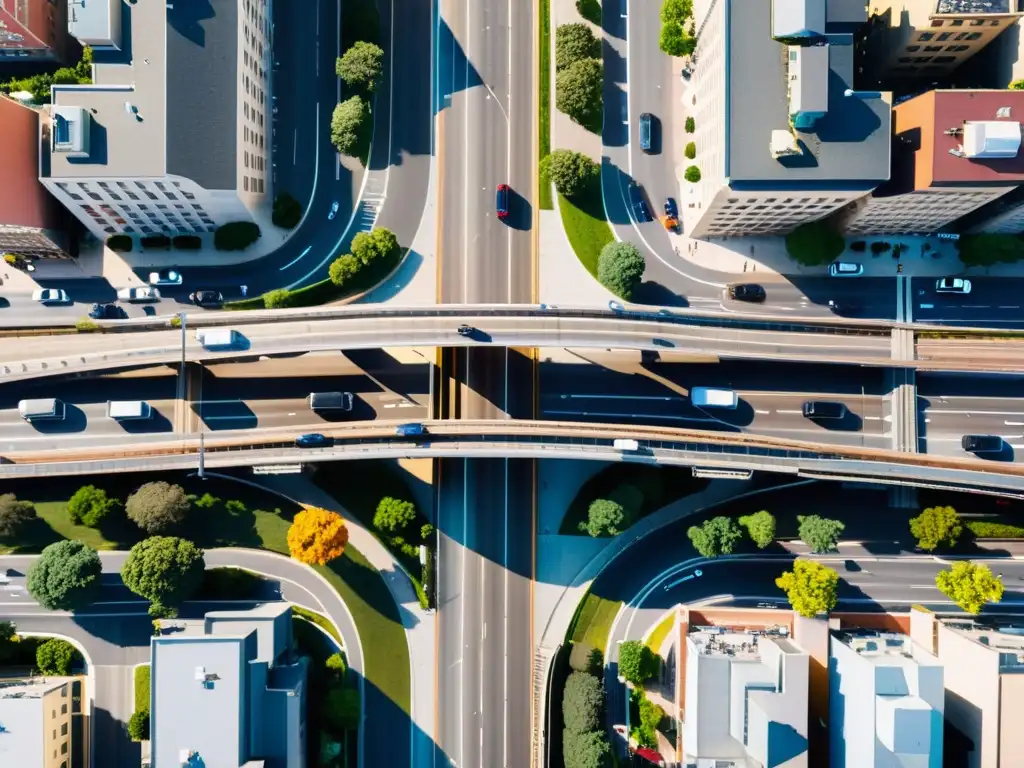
x,y
200,674
70,134
991,139
1003,112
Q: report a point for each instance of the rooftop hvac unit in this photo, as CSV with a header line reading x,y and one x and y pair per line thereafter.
x,y
200,674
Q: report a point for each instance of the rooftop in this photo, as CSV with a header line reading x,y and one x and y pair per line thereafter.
x,y
964,7
719,641
22,723
1004,637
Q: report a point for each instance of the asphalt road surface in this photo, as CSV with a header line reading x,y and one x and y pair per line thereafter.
x,y
993,302
951,406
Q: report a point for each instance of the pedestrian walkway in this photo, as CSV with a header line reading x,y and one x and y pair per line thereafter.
x,y
563,279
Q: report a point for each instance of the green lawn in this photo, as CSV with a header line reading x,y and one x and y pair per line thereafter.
x,y
586,226
544,49
660,632
142,688
593,621
321,621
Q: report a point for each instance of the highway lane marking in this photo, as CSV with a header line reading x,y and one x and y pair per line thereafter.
x,y
788,411
949,412
296,259
663,398
629,415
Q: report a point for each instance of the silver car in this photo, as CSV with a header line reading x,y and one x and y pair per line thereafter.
x,y
845,269
165,277
952,285
50,296
143,293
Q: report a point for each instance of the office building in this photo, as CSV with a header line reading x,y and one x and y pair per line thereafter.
x,y
35,722
229,693
886,701
33,30
953,152
174,134
781,137
929,39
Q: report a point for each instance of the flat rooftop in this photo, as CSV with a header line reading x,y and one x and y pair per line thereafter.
x,y
1003,637
951,110
739,645
966,7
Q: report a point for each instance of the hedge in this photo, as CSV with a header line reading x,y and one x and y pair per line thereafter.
x,y
236,235
188,242
983,530
155,241
119,243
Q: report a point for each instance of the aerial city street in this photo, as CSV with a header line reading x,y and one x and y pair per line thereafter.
x,y
540,384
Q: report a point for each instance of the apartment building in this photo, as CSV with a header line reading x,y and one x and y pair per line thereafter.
x,y
953,152
174,134
35,722
781,136
886,700
229,692
931,38
33,30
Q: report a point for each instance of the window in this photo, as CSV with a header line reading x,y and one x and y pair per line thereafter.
x,y
977,22
64,729
944,36
932,48
245,183
956,23
944,59
973,36
913,48
937,22
925,36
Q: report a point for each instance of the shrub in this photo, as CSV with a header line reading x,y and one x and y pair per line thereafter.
x,y
606,518
155,241
379,244
810,587
228,583
970,585
937,527
692,174
572,172
187,242
427,574
287,211
279,298
426,532
586,750
361,66
620,268
575,42
158,507
589,10
348,122
985,530
343,269
579,92
236,235
584,657
119,243
56,657
714,537
690,151
582,703
393,515
984,250
66,576
637,662
234,506
858,245
689,125
819,533
90,505
207,501
86,325
341,710
14,516
317,536
1016,85
814,244
165,570
760,527
335,666
879,246
138,725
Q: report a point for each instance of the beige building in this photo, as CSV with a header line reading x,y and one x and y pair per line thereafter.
x,y
931,38
35,723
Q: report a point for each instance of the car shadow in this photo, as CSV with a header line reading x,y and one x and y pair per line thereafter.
x,y
74,420
520,212
851,422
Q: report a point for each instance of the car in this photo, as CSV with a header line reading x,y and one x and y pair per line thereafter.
x,y
823,409
334,211
466,330
50,296
142,293
845,269
646,129
410,430
165,277
982,443
106,312
952,285
671,209
685,73
206,298
501,201
313,440
746,292
615,306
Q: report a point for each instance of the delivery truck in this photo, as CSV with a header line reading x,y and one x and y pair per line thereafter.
x,y
218,338
128,410
708,397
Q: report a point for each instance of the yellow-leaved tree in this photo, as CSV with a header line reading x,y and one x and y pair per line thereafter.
x,y
317,536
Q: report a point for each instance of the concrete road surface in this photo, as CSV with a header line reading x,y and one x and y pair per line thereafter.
x,y
993,302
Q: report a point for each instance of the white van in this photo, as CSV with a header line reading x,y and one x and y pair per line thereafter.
x,y
625,445
708,397
44,409
128,410
217,338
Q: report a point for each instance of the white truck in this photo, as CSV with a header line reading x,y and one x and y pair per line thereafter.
x,y
621,444
217,338
709,397
128,410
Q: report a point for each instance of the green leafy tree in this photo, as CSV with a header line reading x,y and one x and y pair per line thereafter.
x,y
988,248
348,123
692,174
575,42
970,585
343,269
165,570
620,268
674,40
158,507
689,126
651,716
14,516
335,665
341,710
138,725
287,211
586,750
236,235
579,91
572,172
394,515
379,244
66,576
90,506
1016,85
714,537
814,244
690,151
426,532
56,657
937,527
279,298
677,11
361,66
760,526
582,702
606,518
810,587
637,662
821,534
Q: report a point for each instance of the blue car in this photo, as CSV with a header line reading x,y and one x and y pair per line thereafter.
x,y
410,430
313,440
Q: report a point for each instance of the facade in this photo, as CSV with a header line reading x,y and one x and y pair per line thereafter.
x,y
953,152
33,30
886,701
29,216
35,723
931,38
229,693
745,700
781,137
173,135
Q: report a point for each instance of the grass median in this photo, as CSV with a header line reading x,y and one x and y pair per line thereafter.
x,y
544,51
585,225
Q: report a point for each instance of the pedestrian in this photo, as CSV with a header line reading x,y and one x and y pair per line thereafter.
x,y
245,290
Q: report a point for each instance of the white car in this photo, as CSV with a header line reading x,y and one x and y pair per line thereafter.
x,y
165,277
845,269
50,296
144,293
334,211
952,285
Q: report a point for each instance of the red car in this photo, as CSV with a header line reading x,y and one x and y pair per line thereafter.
x,y
501,203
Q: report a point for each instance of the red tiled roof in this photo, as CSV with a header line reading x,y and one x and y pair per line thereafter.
x,y
952,108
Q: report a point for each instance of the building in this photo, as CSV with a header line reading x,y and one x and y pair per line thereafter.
x,y
984,679
33,30
229,693
173,135
931,38
781,137
35,723
29,216
745,700
885,702
953,152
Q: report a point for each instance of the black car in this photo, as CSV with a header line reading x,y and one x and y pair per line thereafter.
x,y
105,312
646,129
466,330
824,409
638,199
982,443
313,440
746,292
206,298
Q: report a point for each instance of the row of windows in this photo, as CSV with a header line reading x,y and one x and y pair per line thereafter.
x,y
252,137
256,186
757,201
937,48
258,163
960,22
924,59
924,37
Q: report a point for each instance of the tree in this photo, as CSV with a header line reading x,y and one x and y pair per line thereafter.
x,y
380,244
90,505
970,585
66,576
575,42
579,90
361,66
637,662
692,174
606,518
810,587
814,244
677,11
690,151
14,516
341,710
986,249
165,570
138,725
348,123
674,40
620,268
56,657
287,211
8,639
158,507
335,665
343,269
572,172
651,716
279,298
586,750
394,515
317,536
1016,85
236,235
714,537
582,702
936,527
760,526
689,126
819,533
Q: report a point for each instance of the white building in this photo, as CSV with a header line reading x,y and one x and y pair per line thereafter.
x,y
173,135
35,723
